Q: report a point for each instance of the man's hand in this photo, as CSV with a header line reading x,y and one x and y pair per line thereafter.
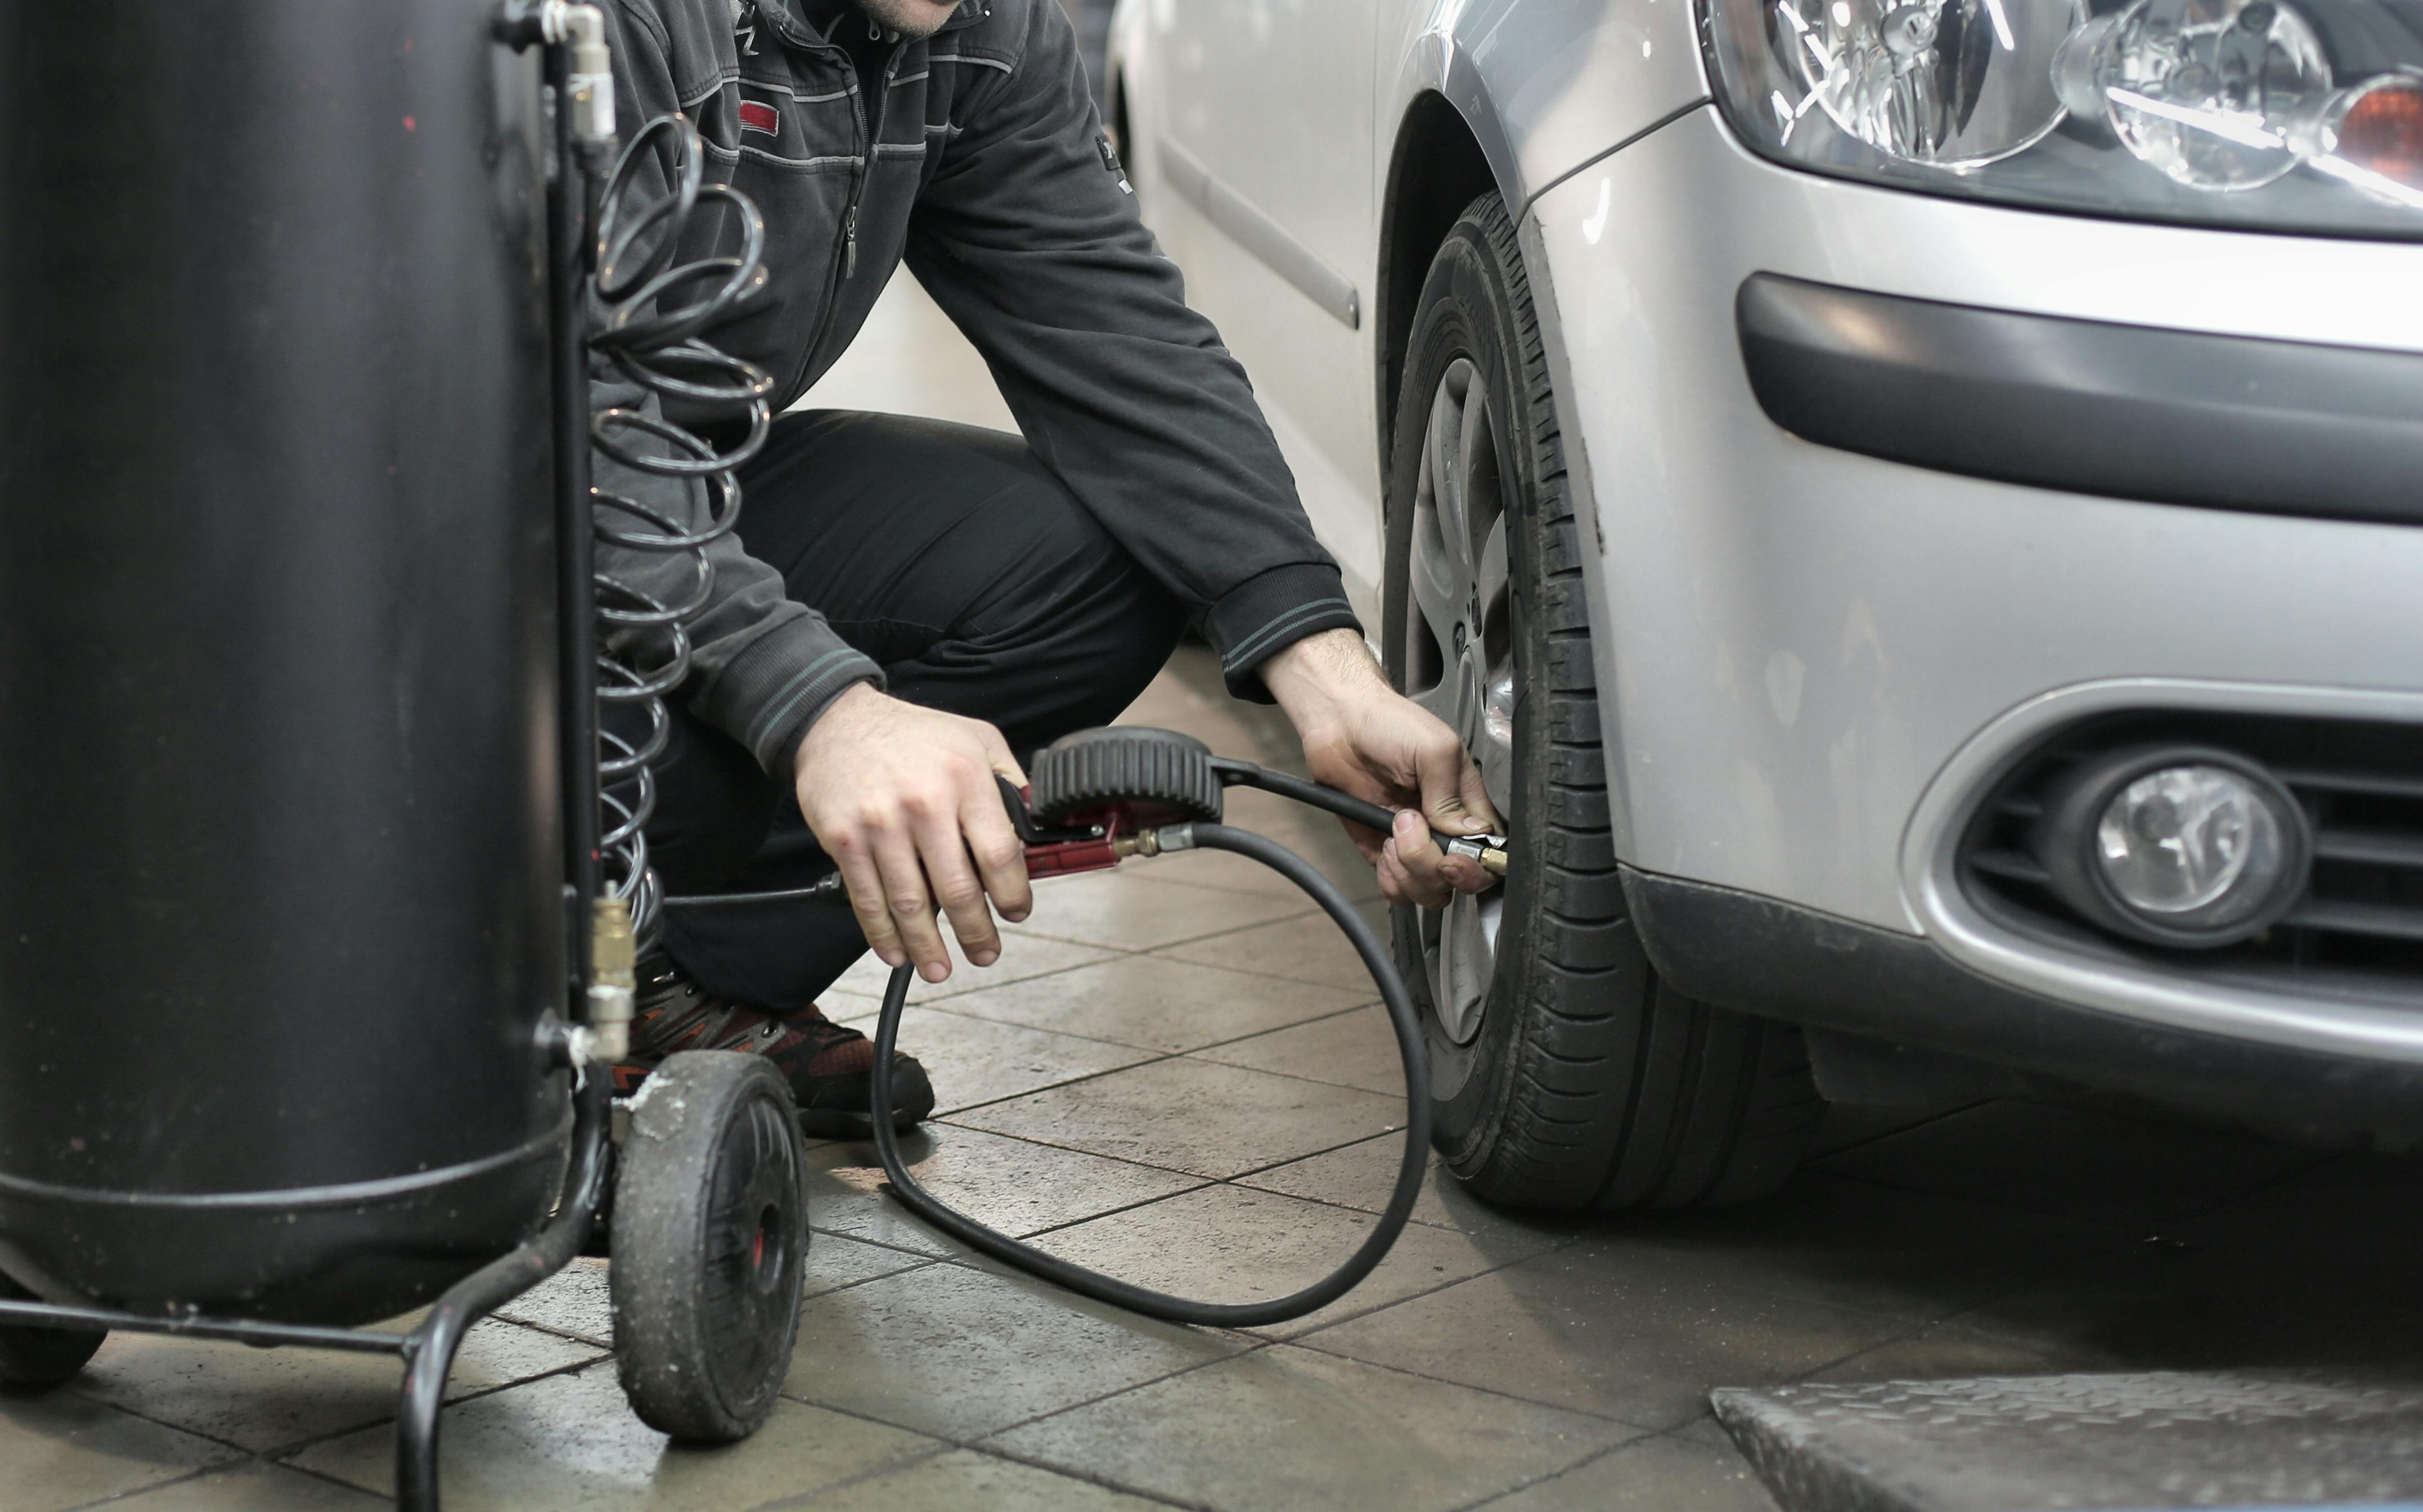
x,y
904,799
1363,737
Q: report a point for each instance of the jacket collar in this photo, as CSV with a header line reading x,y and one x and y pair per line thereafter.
x,y
809,23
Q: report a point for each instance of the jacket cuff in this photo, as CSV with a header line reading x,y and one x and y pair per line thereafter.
x,y
1271,611
776,689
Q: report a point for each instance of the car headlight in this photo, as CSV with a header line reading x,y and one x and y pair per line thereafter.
x,y
2300,115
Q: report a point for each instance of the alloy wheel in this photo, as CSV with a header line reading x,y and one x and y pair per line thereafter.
x,y
1460,661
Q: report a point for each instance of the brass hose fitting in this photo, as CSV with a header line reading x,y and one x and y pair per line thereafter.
x,y
614,978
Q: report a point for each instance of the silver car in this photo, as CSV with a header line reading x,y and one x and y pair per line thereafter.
x,y
1917,505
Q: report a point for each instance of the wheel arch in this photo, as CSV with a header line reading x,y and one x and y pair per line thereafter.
x,y
1452,145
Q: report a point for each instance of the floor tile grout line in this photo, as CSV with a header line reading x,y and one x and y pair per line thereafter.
x,y
1153,1058
1320,1018
280,1453
1584,1462
551,1330
877,998
1268,976
982,1443
1243,1185
116,1497
327,1479
1303,1340
1197,1175
1307,910
573,1369
1091,1478
924,1261
942,1006
284,1453
1114,1212
83,1395
880,1244
1282,891
1247,1344
941,1447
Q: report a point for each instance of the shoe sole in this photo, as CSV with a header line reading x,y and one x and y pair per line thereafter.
x,y
912,1103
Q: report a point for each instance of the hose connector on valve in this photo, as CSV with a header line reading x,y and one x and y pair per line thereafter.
x,y
1488,852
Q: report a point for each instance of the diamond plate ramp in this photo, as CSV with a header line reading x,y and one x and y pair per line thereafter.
x,y
2035,1444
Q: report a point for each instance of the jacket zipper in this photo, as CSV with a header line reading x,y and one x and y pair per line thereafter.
x,y
869,137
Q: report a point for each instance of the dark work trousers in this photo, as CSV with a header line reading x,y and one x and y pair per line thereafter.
x,y
956,562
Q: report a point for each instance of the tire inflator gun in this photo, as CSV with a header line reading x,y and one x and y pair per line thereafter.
x,y
1098,797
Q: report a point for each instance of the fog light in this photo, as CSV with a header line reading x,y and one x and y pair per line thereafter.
x,y
2190,839
2175,845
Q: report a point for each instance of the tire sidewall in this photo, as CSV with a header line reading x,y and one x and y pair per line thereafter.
x,y
1468,308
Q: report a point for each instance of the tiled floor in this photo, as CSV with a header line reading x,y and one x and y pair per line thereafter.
x,y
1177,1073
1172,1075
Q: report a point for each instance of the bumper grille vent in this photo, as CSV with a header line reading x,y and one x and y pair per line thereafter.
x,y
2359,925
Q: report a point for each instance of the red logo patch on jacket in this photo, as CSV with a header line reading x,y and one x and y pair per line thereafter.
x,y
759,117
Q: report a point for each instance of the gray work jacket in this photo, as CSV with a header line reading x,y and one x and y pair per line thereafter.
x,y
976,156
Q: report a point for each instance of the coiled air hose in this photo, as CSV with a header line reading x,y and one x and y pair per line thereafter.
x,y
651,311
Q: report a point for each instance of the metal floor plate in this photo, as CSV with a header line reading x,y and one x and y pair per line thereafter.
x,y
2034,1443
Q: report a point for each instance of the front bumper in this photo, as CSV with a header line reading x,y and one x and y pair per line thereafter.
x,y
1745,950
1813,662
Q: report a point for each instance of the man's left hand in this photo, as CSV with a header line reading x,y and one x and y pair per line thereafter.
x,y
1364,737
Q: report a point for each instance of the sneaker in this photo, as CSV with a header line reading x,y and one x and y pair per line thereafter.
x,y
827,1064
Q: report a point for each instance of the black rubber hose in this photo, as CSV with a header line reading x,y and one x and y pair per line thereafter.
x,y
1234,773
1152,1303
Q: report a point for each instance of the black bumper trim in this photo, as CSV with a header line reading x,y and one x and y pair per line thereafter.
x,y
1763,955
2090,408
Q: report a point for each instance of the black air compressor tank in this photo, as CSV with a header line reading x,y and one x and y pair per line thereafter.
x,y
279,874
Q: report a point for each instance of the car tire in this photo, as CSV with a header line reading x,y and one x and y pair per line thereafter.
x,y
1564,1074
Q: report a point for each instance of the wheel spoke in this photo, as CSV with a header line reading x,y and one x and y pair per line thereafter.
x,y
1440,700
1438,590
1450,425
1495,749
1477,484
1489,572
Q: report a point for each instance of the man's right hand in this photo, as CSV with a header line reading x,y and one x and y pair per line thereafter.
x,y
903,798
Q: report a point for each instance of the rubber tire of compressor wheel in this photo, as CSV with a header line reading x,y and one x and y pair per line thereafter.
x,y
710,1238
32,1357
1591,1085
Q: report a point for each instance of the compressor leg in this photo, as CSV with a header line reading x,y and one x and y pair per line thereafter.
x,y
429,1350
